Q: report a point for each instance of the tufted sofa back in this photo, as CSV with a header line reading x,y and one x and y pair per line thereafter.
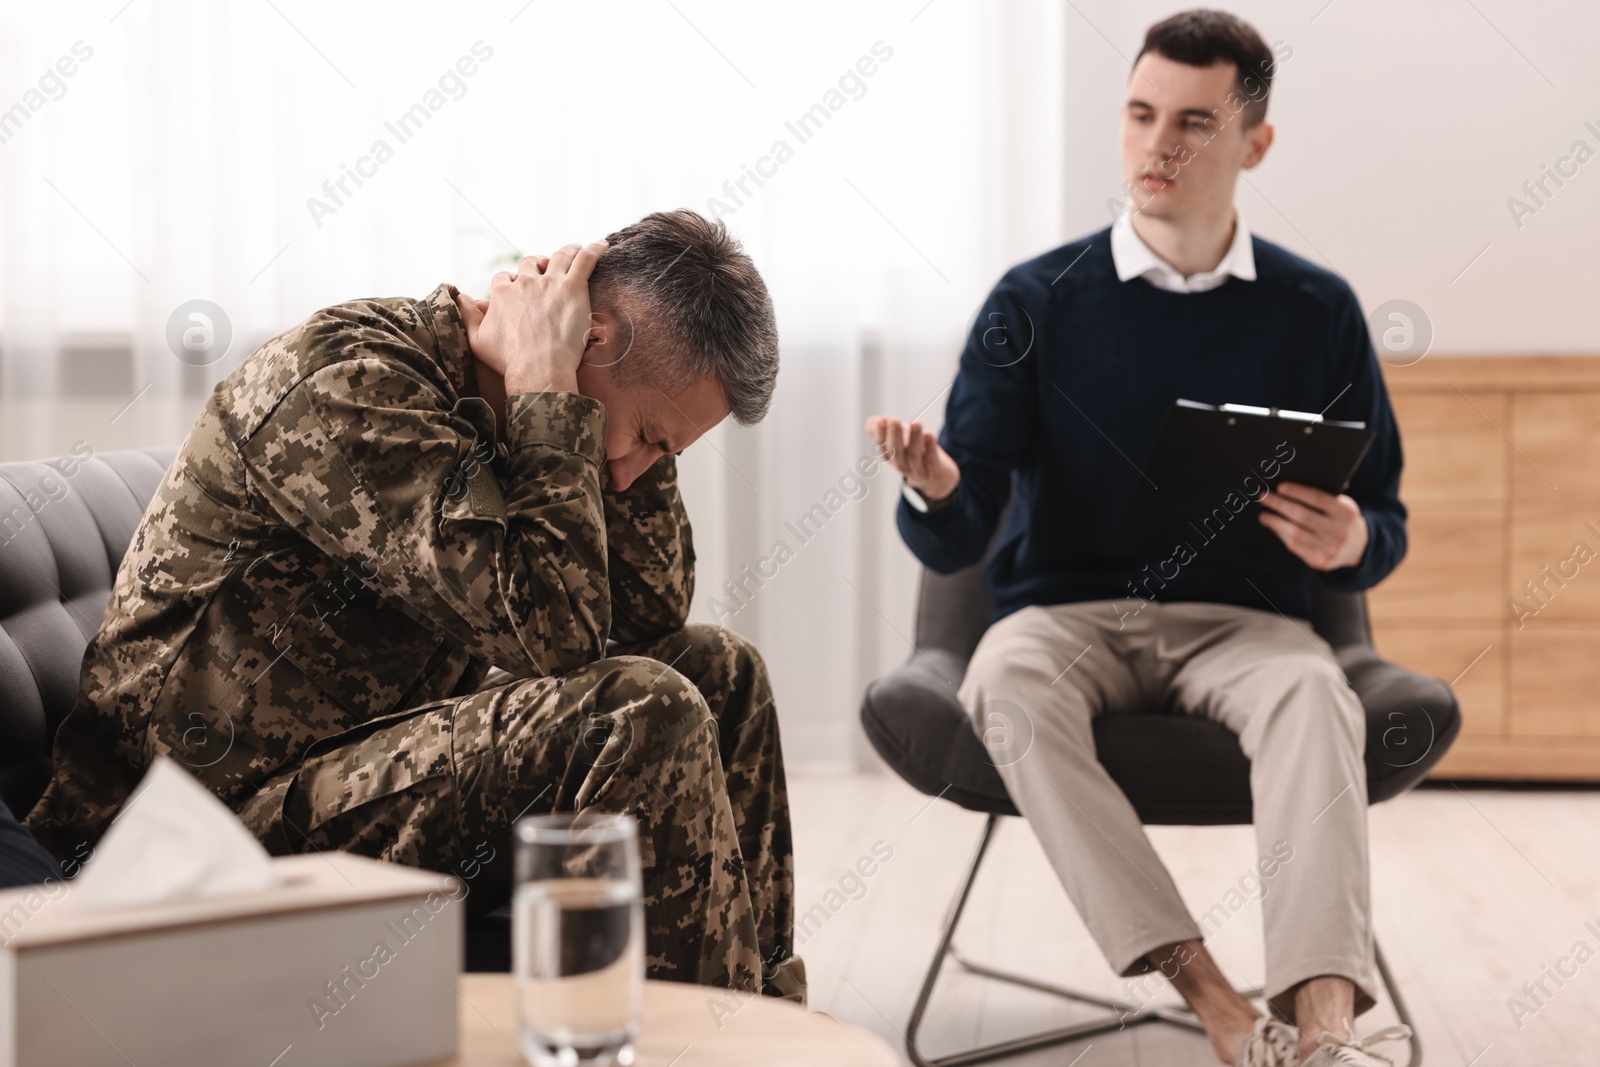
x,y
64,526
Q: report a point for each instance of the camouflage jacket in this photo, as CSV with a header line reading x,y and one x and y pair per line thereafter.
x,y
341,538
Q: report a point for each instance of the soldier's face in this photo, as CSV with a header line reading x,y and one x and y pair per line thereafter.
x,y
643,423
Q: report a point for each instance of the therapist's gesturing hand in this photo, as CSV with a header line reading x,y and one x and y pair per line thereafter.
x,y
1326,531
916,454
536,323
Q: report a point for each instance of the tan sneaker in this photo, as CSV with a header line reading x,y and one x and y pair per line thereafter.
x,y
1273,1043
1342,1052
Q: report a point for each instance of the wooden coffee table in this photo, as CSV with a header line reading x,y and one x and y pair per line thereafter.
x,y
684,1026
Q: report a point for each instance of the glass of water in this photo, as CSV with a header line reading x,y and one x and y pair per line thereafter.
x,y
577,939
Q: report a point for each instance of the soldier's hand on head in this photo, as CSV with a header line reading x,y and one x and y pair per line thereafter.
x,y
536,323
916,454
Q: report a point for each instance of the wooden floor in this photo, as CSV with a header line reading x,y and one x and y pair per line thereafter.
x,y
1475,891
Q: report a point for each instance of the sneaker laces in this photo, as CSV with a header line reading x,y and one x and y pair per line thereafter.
x,y
1272,1043
1354,1053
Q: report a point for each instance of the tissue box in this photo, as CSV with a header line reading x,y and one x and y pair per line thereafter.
x,y
349,961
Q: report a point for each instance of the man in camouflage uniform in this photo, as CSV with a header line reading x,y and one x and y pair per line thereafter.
x,y
345,545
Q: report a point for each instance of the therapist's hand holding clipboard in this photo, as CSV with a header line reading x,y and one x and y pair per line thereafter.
x,y
1250,488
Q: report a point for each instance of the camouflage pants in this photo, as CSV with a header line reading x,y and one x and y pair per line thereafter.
x,y
679,732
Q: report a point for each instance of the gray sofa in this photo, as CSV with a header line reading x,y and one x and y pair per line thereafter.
x,y
64,525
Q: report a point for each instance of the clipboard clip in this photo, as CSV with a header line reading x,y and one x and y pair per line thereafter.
x,y
1307,417
1279,413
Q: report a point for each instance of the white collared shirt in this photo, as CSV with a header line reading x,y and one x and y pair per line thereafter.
x,y
1134,259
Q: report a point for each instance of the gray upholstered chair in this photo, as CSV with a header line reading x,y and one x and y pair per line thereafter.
x,y
1176,769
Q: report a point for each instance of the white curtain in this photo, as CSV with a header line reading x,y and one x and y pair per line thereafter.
x,y
883,163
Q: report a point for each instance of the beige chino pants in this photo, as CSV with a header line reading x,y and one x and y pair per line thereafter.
x,y
1041,675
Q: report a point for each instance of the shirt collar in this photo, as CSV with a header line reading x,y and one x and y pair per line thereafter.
x,y
1134,259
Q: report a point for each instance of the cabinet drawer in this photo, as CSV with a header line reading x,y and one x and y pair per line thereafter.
x,y
1453,568
1555,680
1558,435
1453,450
1555,563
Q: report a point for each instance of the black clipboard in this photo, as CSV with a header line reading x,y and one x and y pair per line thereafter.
x,y
1196,498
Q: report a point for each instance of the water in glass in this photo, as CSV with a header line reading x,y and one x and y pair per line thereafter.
x,y
578,947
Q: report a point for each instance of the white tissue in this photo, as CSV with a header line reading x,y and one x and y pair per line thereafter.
x,y
172,841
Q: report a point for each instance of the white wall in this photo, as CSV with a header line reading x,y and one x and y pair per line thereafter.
x,y
1402,129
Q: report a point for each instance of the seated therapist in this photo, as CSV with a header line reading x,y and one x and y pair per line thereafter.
x,y
391,498
1071,366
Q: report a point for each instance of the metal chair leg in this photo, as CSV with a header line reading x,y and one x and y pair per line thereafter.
x,y
1124,1013
1400,1011
956,907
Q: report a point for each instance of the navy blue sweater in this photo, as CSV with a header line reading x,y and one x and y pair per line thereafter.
x,y
1063,385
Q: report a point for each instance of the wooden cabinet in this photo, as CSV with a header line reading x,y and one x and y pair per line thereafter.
x,y
1500,591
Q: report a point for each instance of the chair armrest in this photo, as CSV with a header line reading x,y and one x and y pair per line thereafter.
x,y
1412,719
919,694
914,721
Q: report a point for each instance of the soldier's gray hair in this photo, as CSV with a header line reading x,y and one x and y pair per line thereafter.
x,y
695,305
